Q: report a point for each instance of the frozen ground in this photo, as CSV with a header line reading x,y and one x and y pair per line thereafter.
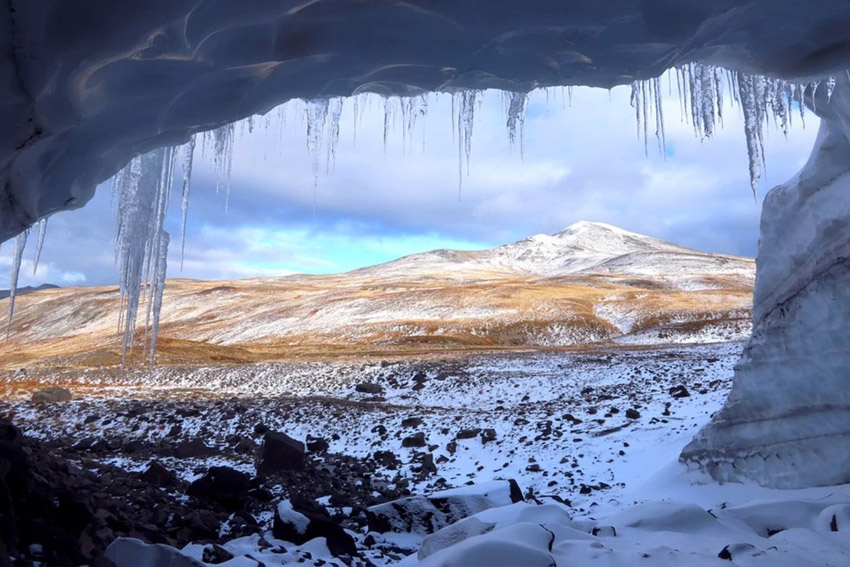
x,y
581,432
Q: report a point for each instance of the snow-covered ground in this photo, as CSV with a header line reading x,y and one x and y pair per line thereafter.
x,y
589,434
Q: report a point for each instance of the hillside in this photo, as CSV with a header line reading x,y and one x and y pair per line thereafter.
x,y
591,283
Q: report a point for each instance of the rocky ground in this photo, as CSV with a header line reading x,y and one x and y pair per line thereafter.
x,y
167,461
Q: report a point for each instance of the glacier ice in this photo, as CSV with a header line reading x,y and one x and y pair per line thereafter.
x,y
786,423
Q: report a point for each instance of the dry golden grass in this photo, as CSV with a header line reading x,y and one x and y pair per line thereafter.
x,y
245,321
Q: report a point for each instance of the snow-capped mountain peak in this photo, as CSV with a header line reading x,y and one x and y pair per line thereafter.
x,y
581,247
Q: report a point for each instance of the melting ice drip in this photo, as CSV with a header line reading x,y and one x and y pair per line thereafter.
x,y
143,187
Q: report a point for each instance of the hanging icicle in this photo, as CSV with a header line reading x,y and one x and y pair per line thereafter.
x,y
516,106
39,244
20,244
188,159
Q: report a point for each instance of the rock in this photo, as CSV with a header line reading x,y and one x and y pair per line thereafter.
x,y
193,449
216,554
368,388
488,435
415,440
280,452
426,514
411,422
468,433
299,520
224,485
157,475
260,429
129,552
679,392
386,459
51,395
632,413
428,465
604,531
317,444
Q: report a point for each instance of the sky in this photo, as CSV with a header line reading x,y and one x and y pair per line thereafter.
x,y
580,160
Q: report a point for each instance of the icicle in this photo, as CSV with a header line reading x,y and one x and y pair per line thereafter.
x,y
223,139
20,244
387,119
39,243
465,121
752,127
316,115
140,245
659,118
517,103
188,159
830,87
334,113
161,266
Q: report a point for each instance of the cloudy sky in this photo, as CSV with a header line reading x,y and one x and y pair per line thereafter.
x,y
581,161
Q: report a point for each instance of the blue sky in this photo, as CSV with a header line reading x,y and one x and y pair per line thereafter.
x,y
581,162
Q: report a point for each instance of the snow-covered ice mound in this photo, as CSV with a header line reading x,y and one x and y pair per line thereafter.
x,y
798,529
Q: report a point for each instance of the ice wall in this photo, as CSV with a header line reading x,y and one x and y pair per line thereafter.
x,y
786,423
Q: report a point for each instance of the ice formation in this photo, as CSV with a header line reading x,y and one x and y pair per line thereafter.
x,y
787,420
20,244
141,243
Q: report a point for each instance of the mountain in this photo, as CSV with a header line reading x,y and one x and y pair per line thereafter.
x,y
4,293
590,283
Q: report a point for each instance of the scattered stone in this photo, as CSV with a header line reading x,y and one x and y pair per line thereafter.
x,y
317,444
215,554
488,435
157,475
415,440
411,422
368,388
193,449
632,413
280,452
468,433
224,485
679,392
299,520
386,459
51,395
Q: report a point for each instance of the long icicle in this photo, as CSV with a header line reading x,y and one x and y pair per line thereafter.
x,y
188,159
20,244
39,243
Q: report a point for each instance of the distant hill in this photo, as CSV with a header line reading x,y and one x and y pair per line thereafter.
x,y
4,293
591,283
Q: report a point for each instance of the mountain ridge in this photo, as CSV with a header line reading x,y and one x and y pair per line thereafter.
x,y
588,284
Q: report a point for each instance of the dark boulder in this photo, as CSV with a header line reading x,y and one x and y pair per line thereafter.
x,y
317,444
415,440
224,485
468,433
193,449
280,452
368,388
157,475
299,520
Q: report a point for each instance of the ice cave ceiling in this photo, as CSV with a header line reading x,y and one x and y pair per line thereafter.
x,y
89,84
